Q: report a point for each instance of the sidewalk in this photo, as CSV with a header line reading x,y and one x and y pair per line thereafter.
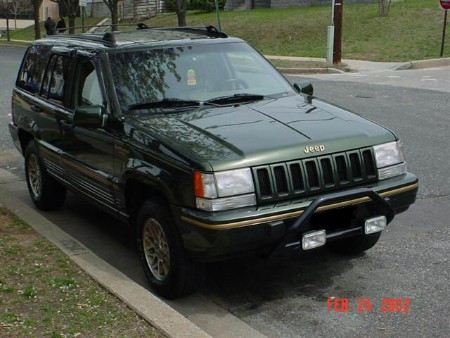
x,y
12,24
360,65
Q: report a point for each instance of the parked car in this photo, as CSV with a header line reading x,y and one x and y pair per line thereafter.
x,y
199,143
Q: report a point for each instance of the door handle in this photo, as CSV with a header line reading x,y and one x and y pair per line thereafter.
x,y
66,124
36,109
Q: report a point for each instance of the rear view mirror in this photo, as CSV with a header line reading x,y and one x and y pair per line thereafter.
x,y
304,88
88,116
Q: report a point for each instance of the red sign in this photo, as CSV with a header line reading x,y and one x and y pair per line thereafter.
x,y
445,4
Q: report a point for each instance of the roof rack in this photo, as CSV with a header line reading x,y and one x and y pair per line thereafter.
x,y
210,30
108,38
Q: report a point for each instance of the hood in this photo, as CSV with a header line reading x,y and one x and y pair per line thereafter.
x,y
268,131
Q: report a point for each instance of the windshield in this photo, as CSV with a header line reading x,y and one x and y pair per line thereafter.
x,y
193,73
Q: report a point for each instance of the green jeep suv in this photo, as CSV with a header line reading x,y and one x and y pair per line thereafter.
x,y
200,144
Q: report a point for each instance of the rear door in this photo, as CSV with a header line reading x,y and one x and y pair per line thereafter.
x,y
40,100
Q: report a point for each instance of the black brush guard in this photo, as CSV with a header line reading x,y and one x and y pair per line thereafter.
x,y
302,224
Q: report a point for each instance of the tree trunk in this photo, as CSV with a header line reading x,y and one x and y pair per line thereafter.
x,y
114,17
181,12
384,7
72,23
37,27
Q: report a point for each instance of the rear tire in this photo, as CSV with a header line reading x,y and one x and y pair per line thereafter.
x,y
354,245
171,273
47,194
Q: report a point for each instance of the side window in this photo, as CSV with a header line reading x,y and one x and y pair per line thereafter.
x,y
89,92
47,77
55,79
33,68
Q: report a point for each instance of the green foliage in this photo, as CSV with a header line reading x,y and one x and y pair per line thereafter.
x,y
171,5
196,5
207,5
30,292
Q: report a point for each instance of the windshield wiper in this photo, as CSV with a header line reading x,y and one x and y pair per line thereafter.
x,y
236,98
164,103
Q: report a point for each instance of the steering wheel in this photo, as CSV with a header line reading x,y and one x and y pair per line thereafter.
x,y
236,83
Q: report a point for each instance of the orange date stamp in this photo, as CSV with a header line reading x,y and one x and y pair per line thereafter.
x,y
364,305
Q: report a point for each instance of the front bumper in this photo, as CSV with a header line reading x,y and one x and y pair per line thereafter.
x,y
216,236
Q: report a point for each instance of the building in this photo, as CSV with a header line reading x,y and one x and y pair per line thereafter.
x,y
49,9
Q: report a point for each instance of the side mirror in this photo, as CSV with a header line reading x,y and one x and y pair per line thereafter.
x,y
88,116
304,88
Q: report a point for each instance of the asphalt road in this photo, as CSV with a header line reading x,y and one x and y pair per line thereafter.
x,y
420,117
10,59
290,294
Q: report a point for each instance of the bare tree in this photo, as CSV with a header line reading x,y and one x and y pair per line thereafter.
x,y
384,7
71,8
114,9
37,28
15,7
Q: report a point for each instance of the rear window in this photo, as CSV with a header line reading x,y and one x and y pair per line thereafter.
x,y
33,67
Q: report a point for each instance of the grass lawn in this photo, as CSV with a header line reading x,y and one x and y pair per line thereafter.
x,y
411,31
44,294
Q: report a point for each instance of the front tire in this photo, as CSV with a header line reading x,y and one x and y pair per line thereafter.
x,y
170,271
354,245
47,194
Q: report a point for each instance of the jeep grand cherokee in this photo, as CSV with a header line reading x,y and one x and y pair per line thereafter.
x,y
193,138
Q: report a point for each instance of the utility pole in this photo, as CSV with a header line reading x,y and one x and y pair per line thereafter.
x,y
8,38
443,34
337,45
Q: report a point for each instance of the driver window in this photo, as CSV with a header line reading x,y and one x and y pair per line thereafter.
x,y
89,92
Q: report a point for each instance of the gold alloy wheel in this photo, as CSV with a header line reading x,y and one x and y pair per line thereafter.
x,y
34,175
156,249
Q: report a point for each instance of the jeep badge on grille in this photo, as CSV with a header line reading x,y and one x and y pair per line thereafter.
x,y
314,149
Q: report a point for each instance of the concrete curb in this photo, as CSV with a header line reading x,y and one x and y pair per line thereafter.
x,y
147,305
14,43
423,64
313,70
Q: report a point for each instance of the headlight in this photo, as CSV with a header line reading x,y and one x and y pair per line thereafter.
x,y
390,160
224,190
388,154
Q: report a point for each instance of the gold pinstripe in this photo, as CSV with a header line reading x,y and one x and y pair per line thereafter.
x,y
293,214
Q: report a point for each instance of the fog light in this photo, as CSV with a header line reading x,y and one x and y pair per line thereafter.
x,y
375,224
313,239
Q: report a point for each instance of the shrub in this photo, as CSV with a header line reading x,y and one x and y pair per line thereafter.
x,y
200,5
207,5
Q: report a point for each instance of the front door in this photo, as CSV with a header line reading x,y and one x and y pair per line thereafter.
x,y
88,152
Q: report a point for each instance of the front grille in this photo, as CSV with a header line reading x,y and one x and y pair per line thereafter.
x,y
313,176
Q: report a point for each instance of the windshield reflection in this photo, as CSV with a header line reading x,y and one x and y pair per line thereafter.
x,y
197,73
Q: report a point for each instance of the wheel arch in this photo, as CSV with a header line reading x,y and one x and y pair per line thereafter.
x,y
24,138
139,189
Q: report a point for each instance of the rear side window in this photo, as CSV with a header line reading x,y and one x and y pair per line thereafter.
x,y
55,80
33,68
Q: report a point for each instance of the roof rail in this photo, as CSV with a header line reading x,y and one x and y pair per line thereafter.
x,y
210,30
108,38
